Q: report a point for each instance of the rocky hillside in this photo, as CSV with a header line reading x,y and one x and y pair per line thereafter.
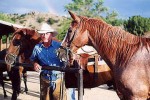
x,y
35,19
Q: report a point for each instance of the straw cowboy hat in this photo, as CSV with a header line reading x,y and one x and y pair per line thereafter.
x,y
45,28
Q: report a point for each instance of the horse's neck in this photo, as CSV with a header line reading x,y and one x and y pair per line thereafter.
x,y
32,43
112,43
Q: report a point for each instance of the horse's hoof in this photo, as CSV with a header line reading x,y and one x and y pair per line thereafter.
x,y
26,92
22,91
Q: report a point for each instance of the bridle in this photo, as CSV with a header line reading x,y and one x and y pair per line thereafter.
x,y
70,40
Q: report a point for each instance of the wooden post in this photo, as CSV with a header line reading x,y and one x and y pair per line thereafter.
x,y
80,84
0,43
7,41
96,67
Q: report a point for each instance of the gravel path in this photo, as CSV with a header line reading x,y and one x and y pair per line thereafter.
x,y
98,93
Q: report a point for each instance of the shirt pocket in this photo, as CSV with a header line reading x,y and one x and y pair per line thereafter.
x,y
41,57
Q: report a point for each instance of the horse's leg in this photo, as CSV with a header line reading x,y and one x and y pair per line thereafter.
x,y
14,95
21,74
15,79
25,80
2,83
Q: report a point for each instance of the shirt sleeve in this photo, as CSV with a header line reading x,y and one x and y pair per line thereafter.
x,y
33,56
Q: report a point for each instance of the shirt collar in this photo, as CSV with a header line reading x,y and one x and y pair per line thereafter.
x,y
52,44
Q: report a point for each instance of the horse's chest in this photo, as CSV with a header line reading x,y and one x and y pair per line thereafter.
x,y
122,74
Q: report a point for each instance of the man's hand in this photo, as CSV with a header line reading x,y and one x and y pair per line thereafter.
x,y
37,67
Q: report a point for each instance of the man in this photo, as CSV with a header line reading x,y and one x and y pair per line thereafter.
x,y
44,54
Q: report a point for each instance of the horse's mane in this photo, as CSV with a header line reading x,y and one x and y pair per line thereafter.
x,y
113,39
115,32
27,32
31,33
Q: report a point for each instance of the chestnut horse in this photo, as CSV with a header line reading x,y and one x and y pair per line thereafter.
x,y
127,55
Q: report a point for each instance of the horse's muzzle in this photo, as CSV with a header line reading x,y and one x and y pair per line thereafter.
x,y
10,58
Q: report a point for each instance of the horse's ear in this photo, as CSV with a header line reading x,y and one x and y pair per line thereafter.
x,y
74,16
24,31
14,28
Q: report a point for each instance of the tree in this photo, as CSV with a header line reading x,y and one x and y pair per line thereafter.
x,y
137,25
89,8
63,28
94,9
5,17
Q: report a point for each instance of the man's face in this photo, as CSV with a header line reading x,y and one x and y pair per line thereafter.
x,y
46,37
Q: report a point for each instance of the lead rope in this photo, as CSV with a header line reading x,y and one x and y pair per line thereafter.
x,y
62,87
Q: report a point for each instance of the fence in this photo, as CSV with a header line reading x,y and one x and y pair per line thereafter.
x,y
63,69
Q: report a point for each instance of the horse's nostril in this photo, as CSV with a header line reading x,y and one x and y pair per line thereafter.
x,y
68,45
10,59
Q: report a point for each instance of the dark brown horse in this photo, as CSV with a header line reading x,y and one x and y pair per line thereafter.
x,y
127,55
20,49
3,68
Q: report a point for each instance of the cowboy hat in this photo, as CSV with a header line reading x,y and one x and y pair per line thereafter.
x,y
45,28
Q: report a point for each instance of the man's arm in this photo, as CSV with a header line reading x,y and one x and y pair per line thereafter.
x,y
36,65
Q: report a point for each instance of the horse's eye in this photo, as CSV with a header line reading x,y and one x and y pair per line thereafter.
x,y
16,42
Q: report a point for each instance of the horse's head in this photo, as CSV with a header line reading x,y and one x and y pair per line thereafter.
x,y
22,41
79,59
77,35
65,55
73,60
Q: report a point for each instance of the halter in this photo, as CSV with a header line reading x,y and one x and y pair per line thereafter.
x,y
11,58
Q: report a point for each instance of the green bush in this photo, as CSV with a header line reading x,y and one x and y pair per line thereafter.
x,y
137,25
6,18
51,21
40,19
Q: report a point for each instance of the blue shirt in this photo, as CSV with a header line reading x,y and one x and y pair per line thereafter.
x,y
46,56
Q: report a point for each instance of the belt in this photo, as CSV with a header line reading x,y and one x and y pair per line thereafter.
x,y
48,75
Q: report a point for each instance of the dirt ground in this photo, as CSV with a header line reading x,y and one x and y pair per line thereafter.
x,y
98,93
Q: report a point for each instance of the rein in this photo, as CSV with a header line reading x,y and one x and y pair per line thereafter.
x,y
74,34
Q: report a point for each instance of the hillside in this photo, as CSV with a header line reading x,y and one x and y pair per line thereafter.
x,y
34,19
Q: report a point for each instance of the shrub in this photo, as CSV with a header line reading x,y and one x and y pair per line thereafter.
x,y
40,19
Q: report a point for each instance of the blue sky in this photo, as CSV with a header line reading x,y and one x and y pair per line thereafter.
x,y
125,8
